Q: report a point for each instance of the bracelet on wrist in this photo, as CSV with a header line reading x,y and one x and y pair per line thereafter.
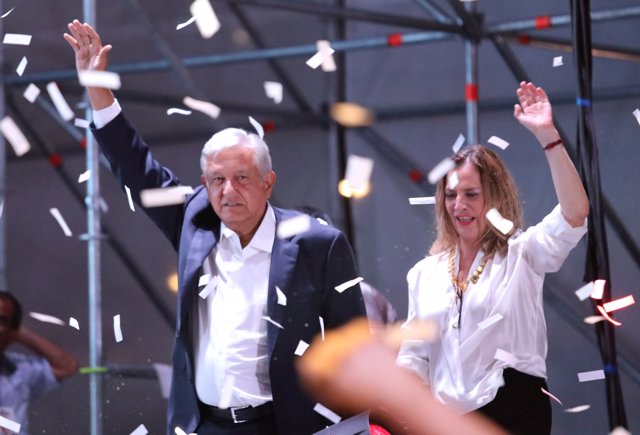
x,y
553,144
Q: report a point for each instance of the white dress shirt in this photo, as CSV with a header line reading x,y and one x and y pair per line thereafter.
x,y
460,365
231,334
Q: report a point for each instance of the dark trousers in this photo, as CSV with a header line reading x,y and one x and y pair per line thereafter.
x,y
520,407
263,426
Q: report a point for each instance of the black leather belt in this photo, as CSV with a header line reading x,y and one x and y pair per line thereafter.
x,y
238,414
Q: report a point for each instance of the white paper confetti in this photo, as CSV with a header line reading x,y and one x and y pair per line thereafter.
x,y
46,318
204,280
205,107
58,100
503,355
500,143
257,126
84,176
345,285
302,347
16,39
324,57
327,413
99,79
206,19
164,372
636,113
211,285
592,320
21,66
31,93
321,327
140,430
452,180
270,320
163,196
593,375
490,321
440,170
63,224
598,288
186,23
293,226
618,304
608,318
557,61
358,171
620,431
227,391
1,207
552,396
274,91
577,409
499,223
8,12
9,424
458,143
14,135
73,322
585,291
422,200
177,111
81,123
282,298
129,198
117,330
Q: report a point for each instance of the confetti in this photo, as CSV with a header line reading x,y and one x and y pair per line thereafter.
x,y
227,392
186,23
163,196
500,143
204,280
302,347
84,176
209,288
321,326
324,57
257,127
452,180
327,413
358,171
81,123
117,331
164,372
585,291
270,320
293,226
21,66
46,318
592,320
31,93
205,17
620,431
9,424
593,375
351,114
490,321
129,198
618,304
282,298
140,430
1,207
458,143
557,61
58,100
205,107
598,288
499,223
177,111
422,200
503,355
636,113
74,323
8,12
440,170
99,79
16,39
345,285
607,317
274,91
579,408
552,396
14,135
63,224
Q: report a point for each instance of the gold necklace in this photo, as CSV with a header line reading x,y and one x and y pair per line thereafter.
x,y
461,287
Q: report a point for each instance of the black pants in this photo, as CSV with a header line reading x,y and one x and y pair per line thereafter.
x,y
520,407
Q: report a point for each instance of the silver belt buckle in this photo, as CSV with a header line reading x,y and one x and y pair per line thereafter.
x,y
233,414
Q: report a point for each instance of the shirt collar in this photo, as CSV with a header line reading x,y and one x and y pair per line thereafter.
x,y
263,238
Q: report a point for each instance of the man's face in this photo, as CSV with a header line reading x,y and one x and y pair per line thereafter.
x,y
237,191
7,334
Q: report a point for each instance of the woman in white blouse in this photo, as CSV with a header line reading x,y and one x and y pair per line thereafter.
x,y
484,288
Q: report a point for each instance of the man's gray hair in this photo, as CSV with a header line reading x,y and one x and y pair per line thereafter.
x,y
231,137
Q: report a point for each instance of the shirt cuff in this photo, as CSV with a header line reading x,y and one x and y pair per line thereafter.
x,y
104,116
558,226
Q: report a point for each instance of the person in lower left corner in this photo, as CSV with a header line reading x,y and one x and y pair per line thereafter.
x,y
24,378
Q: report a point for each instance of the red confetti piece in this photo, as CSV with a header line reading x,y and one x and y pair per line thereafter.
x,y
416,175
55,160
606,316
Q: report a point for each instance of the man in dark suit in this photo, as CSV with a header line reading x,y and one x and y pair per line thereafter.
x,y
265,297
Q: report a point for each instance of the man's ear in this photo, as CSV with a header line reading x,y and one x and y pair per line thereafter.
x,y
269,182
204,180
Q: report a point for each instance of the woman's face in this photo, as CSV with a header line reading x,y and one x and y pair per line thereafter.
x,y
465,203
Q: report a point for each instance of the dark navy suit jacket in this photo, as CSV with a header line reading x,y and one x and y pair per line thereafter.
x,y
305,267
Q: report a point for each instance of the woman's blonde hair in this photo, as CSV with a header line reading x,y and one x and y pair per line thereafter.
x,y
499,192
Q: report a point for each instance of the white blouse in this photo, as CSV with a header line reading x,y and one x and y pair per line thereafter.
x,y
460,366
